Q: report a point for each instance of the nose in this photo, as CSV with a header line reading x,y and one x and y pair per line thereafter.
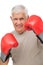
x,y
18,21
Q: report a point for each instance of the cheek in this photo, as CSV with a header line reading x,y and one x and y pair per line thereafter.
x,y
23,22
14,23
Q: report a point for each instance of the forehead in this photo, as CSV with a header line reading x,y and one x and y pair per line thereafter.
x,y
18,15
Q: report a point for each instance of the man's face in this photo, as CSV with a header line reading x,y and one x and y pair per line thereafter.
x,y
18,20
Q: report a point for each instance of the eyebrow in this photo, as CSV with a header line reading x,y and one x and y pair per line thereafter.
x,y
21,18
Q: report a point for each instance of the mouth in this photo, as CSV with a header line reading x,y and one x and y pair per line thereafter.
x,y
19,26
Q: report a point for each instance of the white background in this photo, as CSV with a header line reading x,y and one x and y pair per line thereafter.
x,y
33,6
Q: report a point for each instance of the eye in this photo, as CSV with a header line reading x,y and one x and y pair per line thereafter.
x,y
15,19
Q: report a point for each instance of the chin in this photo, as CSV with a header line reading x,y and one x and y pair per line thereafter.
x,y
20,31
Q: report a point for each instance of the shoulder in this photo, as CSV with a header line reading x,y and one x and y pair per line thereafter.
x,y
30,33
13,32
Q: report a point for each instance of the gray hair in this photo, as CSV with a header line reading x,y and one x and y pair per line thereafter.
x,y
18,9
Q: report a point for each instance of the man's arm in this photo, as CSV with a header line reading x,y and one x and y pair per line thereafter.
x,y
5,63
36,24
40,44
8,42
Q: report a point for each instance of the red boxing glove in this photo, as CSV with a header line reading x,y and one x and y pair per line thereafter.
x,y
36,24
8,41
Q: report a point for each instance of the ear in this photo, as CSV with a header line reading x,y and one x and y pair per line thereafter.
x,y
28,16
11,17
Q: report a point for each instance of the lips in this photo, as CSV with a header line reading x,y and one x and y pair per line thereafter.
x,y
19,26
